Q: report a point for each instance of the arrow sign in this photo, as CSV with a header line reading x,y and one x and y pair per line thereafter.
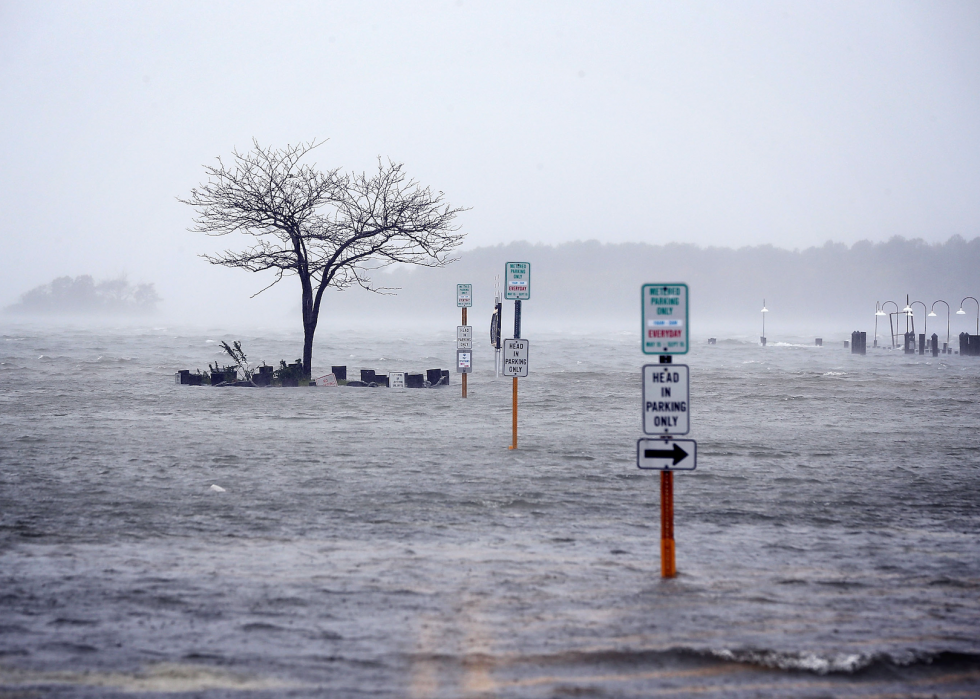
x,y
667,454
677,454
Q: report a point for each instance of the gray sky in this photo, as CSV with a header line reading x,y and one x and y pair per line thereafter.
x,y
714,123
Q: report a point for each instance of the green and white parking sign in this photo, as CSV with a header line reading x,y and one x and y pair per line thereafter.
x,y
517,281
664,311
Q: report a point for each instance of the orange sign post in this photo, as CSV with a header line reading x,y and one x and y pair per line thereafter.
x,y
513,430
668,568
666,402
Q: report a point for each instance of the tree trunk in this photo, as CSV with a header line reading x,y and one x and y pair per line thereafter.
x,y
308,330
309,325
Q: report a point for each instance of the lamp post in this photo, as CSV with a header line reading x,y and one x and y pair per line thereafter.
x,y
962,312
933,312
924,317
764,311
890,328
878,312
925,321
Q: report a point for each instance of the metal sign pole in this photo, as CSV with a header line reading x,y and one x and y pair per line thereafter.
x,y
496,321
496,325
496,346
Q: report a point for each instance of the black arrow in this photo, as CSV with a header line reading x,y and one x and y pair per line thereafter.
x,y
677,454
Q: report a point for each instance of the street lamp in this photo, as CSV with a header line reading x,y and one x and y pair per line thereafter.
x,y
908,314
890,328
962,312
764,311
924,318
878,312
933,312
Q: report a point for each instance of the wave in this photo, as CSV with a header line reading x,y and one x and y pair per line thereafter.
x,y
813,662
844,663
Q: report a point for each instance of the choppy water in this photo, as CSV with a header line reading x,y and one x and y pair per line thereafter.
x,y
385,543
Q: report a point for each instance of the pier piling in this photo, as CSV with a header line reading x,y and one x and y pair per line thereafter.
x,y
859,342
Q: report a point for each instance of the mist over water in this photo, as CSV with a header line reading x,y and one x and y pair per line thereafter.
x,y
825,291
387,543
820,159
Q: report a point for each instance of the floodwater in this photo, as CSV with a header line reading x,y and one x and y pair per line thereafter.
x,y
386,543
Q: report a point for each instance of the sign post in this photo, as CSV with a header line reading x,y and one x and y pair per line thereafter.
x,y
668,565
666,402
464,299
515,364
517,286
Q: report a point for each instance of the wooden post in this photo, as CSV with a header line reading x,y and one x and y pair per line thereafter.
x,y
471,356
668,568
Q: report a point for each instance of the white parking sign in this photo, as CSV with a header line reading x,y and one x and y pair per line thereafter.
x,y
515,357
666,399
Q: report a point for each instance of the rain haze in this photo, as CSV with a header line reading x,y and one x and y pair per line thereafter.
x,y
357,517
713,124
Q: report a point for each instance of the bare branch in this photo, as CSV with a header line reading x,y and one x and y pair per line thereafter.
x,y
278,279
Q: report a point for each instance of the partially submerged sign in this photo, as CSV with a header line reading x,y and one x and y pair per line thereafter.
x,y
665,320
517,281
464,337
396,379
515,357
464,295
464,361
666,399
327,380
667,454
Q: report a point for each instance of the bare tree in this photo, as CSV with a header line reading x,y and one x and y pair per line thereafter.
x,y
328,228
